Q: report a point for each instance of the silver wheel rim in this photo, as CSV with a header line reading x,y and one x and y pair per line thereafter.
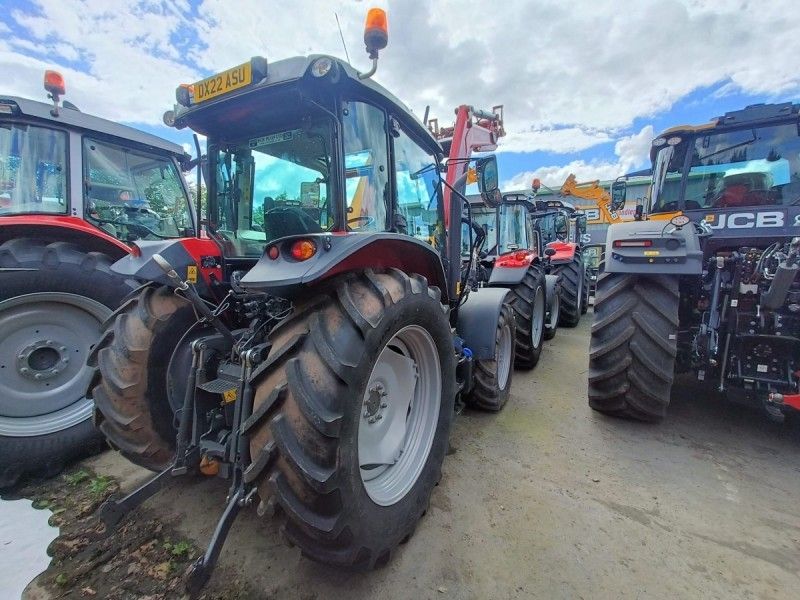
x,y
46,337
399,415
505,344
537,318
555,309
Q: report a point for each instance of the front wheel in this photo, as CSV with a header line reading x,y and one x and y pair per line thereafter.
x,y
528,299
553,315
572,284
633,345
351,416
493,376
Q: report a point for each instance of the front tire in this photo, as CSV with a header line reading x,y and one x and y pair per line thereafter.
x,y
528,299
51,312
134,402
633,345
553,316
371,355
492,384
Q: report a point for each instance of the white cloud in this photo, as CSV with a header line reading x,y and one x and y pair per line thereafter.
x,y
632,153
571,75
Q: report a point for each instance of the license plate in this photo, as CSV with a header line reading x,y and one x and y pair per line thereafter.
x,y
222,83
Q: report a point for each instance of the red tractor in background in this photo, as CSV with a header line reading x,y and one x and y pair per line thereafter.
x,y
75,191
318,358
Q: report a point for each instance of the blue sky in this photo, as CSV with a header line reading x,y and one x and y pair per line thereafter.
x,y
585,85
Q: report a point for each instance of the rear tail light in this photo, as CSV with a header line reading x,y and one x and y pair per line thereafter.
x,y
303,249
273,252
633,243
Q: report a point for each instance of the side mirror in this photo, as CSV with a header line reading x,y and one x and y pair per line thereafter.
x,y
580,223
619,190
309,193
488,179
548,252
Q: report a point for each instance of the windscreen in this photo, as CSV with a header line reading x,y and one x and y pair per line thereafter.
x,y
134,195
741,168
33,170
273,185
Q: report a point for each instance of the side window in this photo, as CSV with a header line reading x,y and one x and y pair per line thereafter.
x,y
33,170
133,194
365,166
418,191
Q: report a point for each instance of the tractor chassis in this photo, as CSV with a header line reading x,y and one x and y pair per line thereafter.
x,y
192,443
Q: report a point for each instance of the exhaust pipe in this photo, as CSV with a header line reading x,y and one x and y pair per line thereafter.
x,y
785,274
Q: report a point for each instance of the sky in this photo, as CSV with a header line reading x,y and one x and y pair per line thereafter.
x,y
585,84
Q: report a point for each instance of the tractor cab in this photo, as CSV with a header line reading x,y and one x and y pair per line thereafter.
x,y
97,182
736,173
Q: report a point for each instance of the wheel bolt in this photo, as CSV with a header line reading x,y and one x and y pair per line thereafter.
x,y
63,348
378,417
371,420
37,376
384,405
366,414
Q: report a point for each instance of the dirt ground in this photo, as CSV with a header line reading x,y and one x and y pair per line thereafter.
x,y
550,500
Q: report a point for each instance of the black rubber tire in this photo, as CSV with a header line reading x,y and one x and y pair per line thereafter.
x,y
633,345
486,393
303,431
522,298
586,282
550,332
572,274
130,388
57,267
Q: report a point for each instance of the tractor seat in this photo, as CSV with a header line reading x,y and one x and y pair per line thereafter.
x,y
282,221
744,189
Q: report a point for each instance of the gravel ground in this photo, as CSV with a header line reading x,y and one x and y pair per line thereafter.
x,y
550,500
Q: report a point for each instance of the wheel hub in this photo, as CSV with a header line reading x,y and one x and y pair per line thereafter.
x,y
375,403
42,360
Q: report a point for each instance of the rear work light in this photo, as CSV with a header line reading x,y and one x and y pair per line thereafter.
x,y
273,252
633,243
303,249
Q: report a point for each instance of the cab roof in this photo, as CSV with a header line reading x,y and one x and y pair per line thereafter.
x,y
72,118
214,113
754,114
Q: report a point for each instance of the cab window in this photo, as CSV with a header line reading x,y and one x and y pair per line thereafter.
x,y
133,194
33,170
418,192
365,164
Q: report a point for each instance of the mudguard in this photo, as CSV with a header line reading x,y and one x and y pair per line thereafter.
x,y
477,320
339,253
188,257
659,249
509,269
565,252
507,275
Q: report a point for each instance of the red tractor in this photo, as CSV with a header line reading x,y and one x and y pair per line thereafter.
x,y
75,191
317,358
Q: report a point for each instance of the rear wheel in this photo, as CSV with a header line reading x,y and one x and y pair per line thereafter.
x,y
493,376
135,397
351,416
633,345
51,313
572,285
529,303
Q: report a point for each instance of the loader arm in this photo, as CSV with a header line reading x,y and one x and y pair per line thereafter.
x,y
591,191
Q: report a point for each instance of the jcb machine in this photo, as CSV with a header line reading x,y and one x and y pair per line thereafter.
x,y
319,351
705,281
75,191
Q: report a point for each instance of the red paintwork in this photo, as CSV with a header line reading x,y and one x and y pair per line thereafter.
x,y
74,224
199,247
790,400
520,259
565,251
468,137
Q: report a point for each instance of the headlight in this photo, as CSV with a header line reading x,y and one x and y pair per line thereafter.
x,y
321,67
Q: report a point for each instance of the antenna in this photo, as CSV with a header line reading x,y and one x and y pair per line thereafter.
x,y
341,35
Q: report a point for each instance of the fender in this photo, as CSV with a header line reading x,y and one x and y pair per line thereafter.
x,y
338,253
647,247
509,269
565,252
61,228
187,256
477,320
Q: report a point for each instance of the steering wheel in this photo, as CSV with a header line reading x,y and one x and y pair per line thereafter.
x,y
366,219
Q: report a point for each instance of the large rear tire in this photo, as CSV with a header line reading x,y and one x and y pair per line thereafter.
x,y
529,301
51,312
135,399
633,345
492,384
351,416
572,284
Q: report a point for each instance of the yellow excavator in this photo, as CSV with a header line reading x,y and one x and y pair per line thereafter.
x,y
609,205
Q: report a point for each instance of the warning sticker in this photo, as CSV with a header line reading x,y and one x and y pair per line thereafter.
x,y
229,395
